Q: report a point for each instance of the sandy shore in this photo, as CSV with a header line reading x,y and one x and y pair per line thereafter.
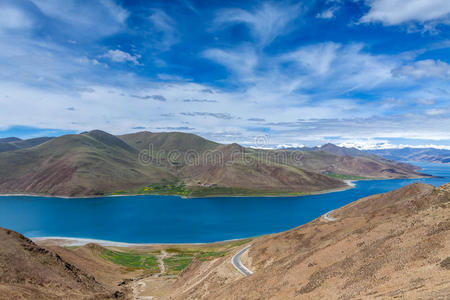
x,y
351,182
68,241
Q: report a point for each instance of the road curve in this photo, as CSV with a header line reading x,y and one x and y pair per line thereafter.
x,y
327,216
236,262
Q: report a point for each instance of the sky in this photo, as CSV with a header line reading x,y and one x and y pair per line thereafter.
x,y
364,73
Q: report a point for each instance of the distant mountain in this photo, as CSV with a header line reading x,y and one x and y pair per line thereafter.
x,y
98,163
403,154
414,154
341,151
9,139
332,148
13,143
333,159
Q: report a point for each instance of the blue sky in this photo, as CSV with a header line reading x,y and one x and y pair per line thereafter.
x,y
366,73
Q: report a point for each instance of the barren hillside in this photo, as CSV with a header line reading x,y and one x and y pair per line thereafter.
x,y
391,245
28,271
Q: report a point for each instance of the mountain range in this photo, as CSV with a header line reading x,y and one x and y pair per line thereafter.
x,y
98,163
432,155
406,154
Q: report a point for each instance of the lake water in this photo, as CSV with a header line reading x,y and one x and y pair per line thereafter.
x,y
171,219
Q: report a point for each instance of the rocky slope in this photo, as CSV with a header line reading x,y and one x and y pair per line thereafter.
x,y
393,245
85,164
28,271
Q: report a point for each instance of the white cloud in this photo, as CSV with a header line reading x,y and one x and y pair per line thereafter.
x,y
115,109
293,145
370,144
241,61
40,79
171,77
166,27
82,19
394,12
424,68
328,13
121,56
424,101
116,11
13,18
338,66
189,5
266,22
436,111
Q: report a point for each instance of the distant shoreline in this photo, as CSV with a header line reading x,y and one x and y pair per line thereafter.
x,y
350,184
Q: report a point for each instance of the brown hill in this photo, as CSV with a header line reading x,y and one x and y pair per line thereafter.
x,y
330,158
238,167
84,164
28,271
168,141
393,245
98,163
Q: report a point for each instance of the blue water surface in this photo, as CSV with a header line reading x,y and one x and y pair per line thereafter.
x,y
171,219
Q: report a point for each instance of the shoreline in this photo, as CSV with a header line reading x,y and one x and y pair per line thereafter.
x,y
78,242
350,184
73,241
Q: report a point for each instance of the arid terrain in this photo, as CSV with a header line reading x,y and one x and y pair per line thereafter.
x,y
98,163
392,245
28,271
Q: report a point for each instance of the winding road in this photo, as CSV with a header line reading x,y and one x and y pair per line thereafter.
x,y
327,216
236,261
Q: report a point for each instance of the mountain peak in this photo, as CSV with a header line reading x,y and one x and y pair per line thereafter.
x,y
330,145
108,139
341,151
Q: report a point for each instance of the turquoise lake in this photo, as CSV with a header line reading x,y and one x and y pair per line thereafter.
x,y
171,219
